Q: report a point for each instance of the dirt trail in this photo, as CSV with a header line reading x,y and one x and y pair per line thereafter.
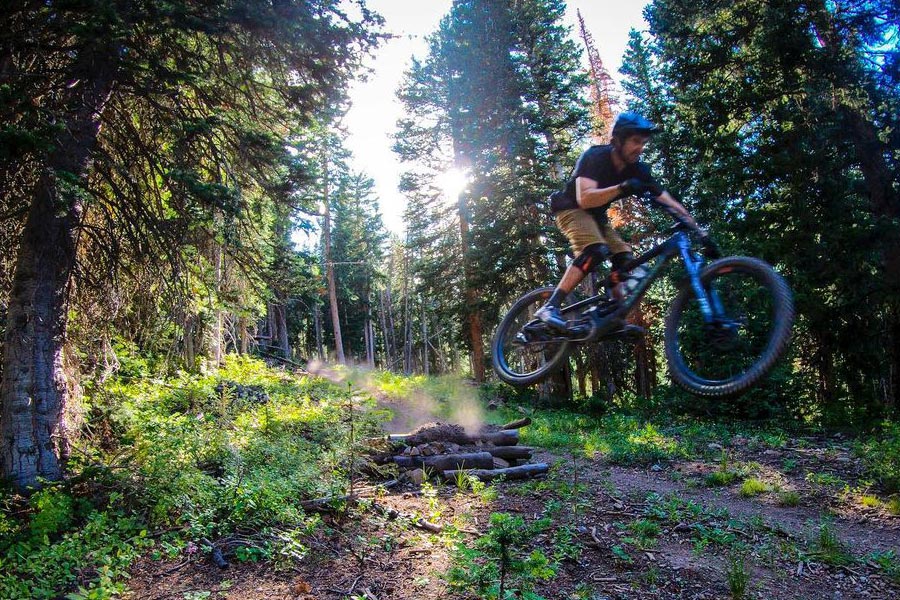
x,y
688,553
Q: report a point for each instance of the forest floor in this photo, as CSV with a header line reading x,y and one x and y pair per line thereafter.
x,y
735,520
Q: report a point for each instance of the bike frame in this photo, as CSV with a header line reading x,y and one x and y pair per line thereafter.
x,y
679,244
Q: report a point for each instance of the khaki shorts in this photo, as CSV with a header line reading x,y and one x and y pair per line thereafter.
x,y
582,231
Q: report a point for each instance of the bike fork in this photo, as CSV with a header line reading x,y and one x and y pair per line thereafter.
x,y
710,306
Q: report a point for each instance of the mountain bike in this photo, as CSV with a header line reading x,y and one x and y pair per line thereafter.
x,y
728,325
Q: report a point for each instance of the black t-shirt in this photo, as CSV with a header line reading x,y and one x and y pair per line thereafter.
x,y
596,163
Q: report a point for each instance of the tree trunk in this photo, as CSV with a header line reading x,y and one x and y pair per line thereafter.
x,y
407,325
581,373
217,337
243,335
284,343
384,296
33,392
329,274
425,368
476,330
644,359
317,320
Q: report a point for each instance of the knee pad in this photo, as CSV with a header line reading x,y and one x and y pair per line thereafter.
x,y
591,256
620,259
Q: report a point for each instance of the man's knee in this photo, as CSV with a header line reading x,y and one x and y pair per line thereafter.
x,y
620,259
590,257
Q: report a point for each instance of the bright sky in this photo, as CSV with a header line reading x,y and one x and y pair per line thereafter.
x,y
375,109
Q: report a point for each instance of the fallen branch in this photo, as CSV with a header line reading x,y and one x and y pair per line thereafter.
x,y
444,462
518,423
441,432
520,472
511,452
392,513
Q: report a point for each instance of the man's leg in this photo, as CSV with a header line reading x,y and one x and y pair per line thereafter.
x,y
621,256
590,250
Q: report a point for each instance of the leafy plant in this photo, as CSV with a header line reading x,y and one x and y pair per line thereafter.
x,y
499,565
620,554
888,562
644,533
881,456
720,478
825,479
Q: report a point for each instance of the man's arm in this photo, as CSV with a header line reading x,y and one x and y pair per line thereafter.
x,y
588,195
666,199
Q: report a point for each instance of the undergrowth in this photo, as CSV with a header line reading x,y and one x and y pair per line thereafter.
x,y
192,457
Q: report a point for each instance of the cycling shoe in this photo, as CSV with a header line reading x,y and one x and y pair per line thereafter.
x,y
550,315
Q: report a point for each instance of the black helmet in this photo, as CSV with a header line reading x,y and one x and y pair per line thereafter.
x,y
628,123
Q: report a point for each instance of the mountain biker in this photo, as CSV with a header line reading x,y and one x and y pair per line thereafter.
x,y
603,174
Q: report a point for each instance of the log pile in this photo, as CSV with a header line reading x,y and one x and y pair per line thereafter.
x,y
446,450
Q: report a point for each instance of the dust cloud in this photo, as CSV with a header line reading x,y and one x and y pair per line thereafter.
x,y
458,399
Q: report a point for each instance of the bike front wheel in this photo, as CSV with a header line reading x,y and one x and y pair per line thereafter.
x,y
524,350
754,313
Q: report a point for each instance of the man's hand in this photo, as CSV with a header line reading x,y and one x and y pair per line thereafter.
x,y
710,247
638,187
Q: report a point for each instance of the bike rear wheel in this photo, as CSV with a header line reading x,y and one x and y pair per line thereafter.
x,y
524,350
735,352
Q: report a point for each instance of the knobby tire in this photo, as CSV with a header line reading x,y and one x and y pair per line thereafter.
x,y
529,365
773,329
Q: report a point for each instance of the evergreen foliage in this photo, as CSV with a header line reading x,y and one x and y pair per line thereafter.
x,y
498,97
780,129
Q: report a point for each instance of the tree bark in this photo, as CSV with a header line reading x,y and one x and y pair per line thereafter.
x,y
329,274
33,392
644,359
521,472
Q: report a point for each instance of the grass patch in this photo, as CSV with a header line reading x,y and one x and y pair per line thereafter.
x,y
721,478
869,501
737,574
754,487
620,439
789,498
829,549
893,505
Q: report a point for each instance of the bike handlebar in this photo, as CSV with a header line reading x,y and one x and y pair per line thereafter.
x,y
711,249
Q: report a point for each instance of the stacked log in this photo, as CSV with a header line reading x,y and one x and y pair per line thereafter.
x,y
448,450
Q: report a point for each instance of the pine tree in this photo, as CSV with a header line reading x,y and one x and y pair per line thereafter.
x,y
785,119
497,96
124,107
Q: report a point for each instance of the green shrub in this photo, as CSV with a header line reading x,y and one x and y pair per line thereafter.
x,y
92,559
881,457
206,455
54,511
499,565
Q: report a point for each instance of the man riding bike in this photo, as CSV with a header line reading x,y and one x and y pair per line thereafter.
x,y
603,174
